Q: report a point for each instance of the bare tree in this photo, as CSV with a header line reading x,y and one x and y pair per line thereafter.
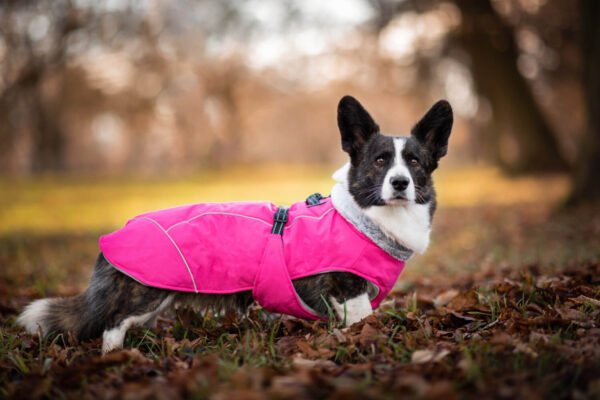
x,y
22,98
489,42
586,178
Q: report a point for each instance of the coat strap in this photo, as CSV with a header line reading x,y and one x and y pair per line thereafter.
x,y
279,220
314,200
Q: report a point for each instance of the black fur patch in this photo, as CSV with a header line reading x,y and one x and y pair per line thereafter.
x,y
113,297
366,174
419,162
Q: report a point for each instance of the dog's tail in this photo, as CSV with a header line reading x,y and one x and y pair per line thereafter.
x,y
84,315
55,315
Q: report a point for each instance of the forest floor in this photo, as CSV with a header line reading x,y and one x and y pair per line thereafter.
x,y
505,303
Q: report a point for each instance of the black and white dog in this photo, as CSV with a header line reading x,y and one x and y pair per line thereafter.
x,y
386,184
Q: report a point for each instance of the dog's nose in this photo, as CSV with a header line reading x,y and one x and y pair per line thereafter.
x,y
399,182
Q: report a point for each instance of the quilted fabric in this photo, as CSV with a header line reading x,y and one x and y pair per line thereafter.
x,y
229,247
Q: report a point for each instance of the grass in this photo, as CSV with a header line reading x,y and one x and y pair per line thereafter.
x,y
520,317
53,204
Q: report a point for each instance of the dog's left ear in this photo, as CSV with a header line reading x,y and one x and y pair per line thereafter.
x,y
433,130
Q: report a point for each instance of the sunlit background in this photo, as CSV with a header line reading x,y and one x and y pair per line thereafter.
x,y
168,87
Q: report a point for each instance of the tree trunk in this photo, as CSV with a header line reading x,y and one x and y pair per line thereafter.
x,y
520,138
586,177
25,111
48,138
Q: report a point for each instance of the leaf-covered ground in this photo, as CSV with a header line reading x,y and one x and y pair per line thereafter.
x,y
505,304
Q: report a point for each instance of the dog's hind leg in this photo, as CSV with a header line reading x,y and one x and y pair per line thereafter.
x,y
122,303
112,338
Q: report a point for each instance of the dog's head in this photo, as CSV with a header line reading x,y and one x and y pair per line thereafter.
x,y
392,170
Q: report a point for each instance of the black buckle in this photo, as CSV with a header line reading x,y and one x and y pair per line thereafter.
x,y
314,199
279,220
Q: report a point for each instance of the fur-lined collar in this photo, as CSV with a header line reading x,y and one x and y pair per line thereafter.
x,y
398,230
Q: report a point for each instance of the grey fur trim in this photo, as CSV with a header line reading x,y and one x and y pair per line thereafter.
x,y
347,207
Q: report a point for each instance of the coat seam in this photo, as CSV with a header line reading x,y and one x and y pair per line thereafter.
x,y
217,213
320,217
178,250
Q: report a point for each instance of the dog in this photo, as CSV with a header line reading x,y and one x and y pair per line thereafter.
x,y
337,255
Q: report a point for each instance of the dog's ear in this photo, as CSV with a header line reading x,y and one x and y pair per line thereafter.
x,y
356,125
433,130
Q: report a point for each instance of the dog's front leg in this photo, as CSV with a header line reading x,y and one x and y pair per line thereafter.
x,y
354,309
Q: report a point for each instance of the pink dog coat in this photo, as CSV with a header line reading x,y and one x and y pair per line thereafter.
x,y
229,247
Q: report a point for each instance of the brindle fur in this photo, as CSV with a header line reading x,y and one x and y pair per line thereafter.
x,y
113,296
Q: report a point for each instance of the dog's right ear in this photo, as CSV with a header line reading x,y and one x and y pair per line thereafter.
x,y
356,125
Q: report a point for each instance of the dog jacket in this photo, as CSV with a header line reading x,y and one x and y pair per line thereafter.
x,y
223,248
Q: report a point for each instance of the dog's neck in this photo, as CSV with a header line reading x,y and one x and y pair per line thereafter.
x,y
399,230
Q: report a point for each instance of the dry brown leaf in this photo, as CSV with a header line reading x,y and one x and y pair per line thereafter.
x,y
341,338
367,335
239,394
441,389
301,362
120,356
411,382
444,298
325,340
425,356
464,301
502,340
287,345
524,348
462,316
539,337
581,299
307,349
570,314
324,352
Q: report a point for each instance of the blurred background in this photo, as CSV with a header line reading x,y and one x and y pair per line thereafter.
x,y
115,86
111,108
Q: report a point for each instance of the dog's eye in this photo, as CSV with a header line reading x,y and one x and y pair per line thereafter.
x,y
380,161
414,162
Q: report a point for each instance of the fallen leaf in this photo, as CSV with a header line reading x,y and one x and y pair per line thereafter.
x,y
581,299
462,316
524,348
120,356
425,356
307,349
367,335
444,298
341,338
287,345
301,362
464,301
570,314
